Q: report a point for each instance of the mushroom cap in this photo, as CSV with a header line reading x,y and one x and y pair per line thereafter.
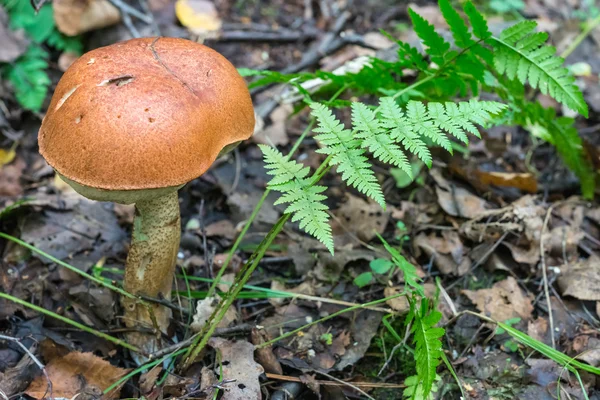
x,y
143,114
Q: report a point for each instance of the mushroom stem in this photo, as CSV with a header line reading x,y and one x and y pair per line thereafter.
x,y
151,265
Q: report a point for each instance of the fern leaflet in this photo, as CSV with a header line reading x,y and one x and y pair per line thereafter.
x,y
304,198
460,32
414,389
522,54
410,272
346,153
437,47
428,346
376,139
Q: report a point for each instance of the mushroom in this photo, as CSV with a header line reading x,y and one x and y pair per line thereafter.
x,y
132,123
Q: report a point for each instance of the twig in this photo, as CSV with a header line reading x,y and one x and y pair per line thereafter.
x,y
37,5
127,9
276,36
34,359
545,276
166,303
329,383
127,12
350,385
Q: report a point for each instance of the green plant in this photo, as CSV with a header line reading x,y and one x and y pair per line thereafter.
x,y
27,74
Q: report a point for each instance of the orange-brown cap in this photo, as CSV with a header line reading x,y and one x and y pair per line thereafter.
x,y
145,113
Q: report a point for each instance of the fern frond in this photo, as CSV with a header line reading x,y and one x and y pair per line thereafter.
x,y
411,278
303,198
478,21
522,54
376,139
347,155
437,47
428,346
421,122
460,32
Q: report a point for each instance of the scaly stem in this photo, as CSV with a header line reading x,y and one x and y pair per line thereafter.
x,y
150,267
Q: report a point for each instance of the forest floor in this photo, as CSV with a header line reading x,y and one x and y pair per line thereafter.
x,y
499,229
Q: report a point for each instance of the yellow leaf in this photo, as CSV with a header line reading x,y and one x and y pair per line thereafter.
x,y
199,16
7,156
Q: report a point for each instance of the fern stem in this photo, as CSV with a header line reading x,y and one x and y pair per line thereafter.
x,y
414,86
242,277
589,27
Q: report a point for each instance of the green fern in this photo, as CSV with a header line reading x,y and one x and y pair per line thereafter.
x,y
29,78
27,74
346,153
414,389
428,344
522,54
410,272
304,198
437,47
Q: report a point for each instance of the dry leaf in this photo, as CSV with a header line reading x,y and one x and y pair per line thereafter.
x,y
275,134
14,43
264,355
199,16
361,218
581,279
205,308
7,156
455,200
10,176
306,287
77,372
448,252
237,363
503,301
74,17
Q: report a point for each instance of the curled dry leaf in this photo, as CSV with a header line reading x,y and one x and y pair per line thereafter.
x,y
503,301
265,355
455,200
448,252
237,362
74,17
581,279
66,374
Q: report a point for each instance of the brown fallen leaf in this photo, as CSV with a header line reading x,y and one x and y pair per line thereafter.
x,y
581,279
66,374
503,301
10,176
588,349
264,355
360,218
455,200
74,17
448,252
237,363
482,180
